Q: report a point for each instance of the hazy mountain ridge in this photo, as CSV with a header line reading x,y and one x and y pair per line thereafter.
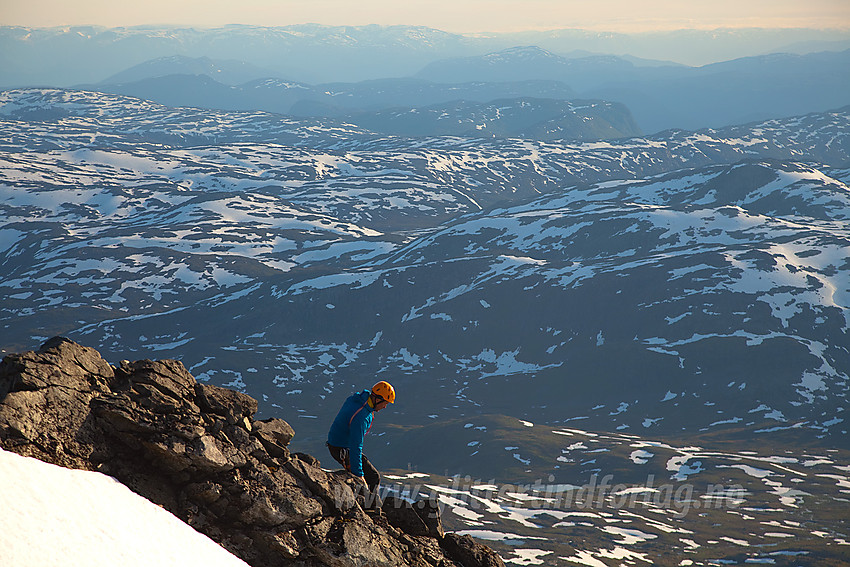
x,y
658,96
664,97
228,72
529,117
532,62
89,53
73,55
311,64
329,100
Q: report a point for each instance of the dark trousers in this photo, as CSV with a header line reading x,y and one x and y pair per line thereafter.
x,y
370,473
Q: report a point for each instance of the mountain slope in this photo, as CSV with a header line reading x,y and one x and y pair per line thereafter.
x,y
289,258
196,451
305,249
610,307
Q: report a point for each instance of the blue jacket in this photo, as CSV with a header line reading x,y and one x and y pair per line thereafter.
x,y
351,424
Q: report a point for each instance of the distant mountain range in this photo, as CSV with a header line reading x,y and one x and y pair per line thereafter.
x,y
319,54
343,72
532,62
650,98
478,109
662,97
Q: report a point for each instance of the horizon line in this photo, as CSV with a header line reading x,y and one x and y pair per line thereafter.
x,y
670,29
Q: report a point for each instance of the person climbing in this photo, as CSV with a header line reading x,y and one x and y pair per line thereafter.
x,y
352,423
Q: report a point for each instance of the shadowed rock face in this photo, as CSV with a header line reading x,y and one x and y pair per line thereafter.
x,y
196,450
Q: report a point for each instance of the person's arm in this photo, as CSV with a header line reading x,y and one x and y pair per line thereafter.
x,y
355,443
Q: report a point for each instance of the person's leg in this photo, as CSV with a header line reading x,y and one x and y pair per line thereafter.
x,y
371,474
340,455
373,481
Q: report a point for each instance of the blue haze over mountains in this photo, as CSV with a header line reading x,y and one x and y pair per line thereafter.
x,y
175,66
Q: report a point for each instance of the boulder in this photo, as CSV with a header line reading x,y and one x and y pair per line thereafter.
x,y
330,487
428,510
275,435
45,402
309,459
420,518
234,406
467,551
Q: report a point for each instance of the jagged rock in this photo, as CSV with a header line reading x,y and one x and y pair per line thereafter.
x,y
429,511
205,492
48,391
196,450
233,406
421,518
467,551
400,514
426,552
309,459
275,435
163,386
283,544
330,487
370,545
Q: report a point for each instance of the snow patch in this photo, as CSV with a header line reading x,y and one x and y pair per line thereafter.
x,y
90,519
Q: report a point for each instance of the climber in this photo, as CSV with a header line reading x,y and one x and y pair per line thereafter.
x,y
345,439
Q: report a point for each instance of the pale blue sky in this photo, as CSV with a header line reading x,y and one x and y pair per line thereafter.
x,y
450,15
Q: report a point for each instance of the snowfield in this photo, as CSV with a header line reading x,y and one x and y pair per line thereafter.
x,y
70,518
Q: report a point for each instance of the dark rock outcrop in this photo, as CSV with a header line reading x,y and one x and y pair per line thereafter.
x,y
467,551
419,518
196,450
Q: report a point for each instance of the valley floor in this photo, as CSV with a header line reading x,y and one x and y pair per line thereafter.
x,y
647,502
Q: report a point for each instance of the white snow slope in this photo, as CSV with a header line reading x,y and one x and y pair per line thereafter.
x,y
62,518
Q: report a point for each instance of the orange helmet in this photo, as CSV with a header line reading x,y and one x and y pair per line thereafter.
x,y
385,391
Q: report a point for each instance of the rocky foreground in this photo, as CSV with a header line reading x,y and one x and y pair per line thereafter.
x,y
197,451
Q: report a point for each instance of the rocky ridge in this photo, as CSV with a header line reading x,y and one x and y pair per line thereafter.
x,y
197,450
